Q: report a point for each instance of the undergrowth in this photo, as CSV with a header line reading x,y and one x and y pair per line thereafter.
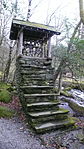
x,y
5,95
6,112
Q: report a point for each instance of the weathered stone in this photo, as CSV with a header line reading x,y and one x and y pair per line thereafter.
x,y
37,95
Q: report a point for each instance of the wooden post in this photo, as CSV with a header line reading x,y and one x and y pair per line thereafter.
x,y
49,48
20,44
45,49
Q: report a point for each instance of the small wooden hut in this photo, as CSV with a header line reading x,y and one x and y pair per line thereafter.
x,y
35,76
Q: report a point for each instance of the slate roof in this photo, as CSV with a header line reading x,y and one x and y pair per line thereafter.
x,y
31,30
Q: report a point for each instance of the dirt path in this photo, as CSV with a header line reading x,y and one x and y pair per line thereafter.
x,y
14,135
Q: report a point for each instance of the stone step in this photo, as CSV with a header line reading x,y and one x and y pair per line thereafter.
x,y
35,61
43,106
30,72
34,98
39,79
50,118
47,113
34,67
34,82
41,76
37,89
40,95
28,58
33,70
41,128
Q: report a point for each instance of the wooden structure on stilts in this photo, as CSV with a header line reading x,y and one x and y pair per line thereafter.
x,y
35,76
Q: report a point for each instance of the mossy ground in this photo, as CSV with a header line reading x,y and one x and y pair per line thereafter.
x,y
71,83
5,96
5,92
4,85
5,112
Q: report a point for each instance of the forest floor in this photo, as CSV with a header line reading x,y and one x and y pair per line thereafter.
x,y
15,133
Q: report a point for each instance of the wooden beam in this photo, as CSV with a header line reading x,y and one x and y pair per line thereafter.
x,y
20,44
49,48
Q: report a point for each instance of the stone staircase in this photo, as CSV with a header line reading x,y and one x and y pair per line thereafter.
x,y
37,95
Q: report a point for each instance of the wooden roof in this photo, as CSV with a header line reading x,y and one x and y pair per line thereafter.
x,y
31,30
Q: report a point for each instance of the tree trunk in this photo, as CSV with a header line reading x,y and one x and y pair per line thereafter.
x,y
60,69
64,61
29,9
7,68
60,83
81,8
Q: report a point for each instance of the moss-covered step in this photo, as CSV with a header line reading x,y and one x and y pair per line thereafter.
x,y
43,106
43,71
44,127
50,118
35,82
33,98
33,75
32,60
76,106
36,89
40,80
41,95
33,67
47,113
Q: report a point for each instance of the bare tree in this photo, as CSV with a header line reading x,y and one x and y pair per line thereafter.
x,y
29,9
81,8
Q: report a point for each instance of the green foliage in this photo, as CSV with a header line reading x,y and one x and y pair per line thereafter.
x,y
5,112
5,96
4,85
76,57
59,51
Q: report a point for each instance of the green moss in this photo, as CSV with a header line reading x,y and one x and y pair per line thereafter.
x,y
1,73
75,106
32,24
65,93
5,96
67,89
4,85
5,112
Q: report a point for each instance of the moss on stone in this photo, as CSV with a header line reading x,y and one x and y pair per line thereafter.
x,y
65,93
76,107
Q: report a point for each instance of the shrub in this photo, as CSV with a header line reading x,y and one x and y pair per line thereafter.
x,y
5,96
5,112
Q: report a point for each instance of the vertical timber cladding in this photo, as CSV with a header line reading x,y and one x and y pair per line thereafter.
x,y
35,76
